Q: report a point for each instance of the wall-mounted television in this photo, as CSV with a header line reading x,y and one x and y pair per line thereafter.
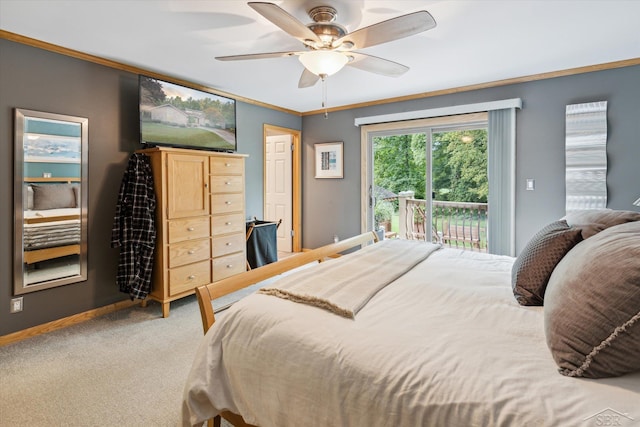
x,y
178,116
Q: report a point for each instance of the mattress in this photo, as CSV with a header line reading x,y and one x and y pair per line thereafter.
x,y
445,344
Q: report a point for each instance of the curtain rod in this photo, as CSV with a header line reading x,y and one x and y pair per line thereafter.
x,y
442,111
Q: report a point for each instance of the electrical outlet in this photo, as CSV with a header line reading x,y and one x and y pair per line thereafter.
x,y
16,305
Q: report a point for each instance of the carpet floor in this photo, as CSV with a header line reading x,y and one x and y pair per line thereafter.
x,y
126,368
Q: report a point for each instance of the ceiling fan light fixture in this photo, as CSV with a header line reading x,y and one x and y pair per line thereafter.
x,y
323,62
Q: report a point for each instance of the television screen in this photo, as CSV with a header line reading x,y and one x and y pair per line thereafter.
x,y
178,116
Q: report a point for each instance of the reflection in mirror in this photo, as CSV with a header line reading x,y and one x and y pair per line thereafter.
x,y
50,200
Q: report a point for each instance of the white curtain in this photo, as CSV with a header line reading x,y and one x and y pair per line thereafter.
x,y
501,146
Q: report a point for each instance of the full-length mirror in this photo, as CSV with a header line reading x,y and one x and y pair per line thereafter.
x,y
50,200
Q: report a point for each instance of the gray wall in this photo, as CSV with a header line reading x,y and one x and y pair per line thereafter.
x,y
333,205
40,80
250,141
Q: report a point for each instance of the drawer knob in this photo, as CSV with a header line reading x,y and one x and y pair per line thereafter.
x,y
227,164
191,252
192,277
190,229
229,265
228,243
228,203
227,223
227,183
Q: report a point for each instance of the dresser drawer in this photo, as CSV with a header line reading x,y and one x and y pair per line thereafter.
x,y
189,252
226,166
227,184
226,224
188,229
228,265
226,203
228,244
189,276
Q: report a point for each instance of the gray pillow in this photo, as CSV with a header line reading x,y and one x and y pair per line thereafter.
x,y
592,305
76,193
536,262
28,194
53,196
593,221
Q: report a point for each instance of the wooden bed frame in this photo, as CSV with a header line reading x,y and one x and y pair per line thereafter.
x,y
212,291
38,255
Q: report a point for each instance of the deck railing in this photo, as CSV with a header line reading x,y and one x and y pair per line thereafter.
x,y
456,224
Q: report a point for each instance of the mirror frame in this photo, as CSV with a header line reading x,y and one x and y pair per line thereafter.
x,y
21,115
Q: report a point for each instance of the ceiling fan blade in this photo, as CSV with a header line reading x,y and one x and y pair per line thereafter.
x,y
373,64
256,56
389,30
285,21
307,79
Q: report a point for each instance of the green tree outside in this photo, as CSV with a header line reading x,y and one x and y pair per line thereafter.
x,y
459,165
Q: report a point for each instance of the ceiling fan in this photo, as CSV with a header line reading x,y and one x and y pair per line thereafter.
x,y
329,46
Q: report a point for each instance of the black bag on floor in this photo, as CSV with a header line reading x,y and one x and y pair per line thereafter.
x,y
262,247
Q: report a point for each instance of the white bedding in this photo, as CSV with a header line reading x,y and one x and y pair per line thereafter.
x,y
445,344
345,285
48,213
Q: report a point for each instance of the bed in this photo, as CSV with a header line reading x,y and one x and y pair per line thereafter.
x,y
52,225
447,342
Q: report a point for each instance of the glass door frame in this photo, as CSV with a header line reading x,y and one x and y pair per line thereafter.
x,y
426,126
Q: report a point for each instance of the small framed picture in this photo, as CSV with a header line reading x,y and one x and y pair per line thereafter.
x,y
329,161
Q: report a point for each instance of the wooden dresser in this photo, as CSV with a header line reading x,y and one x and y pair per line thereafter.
x,y
200,220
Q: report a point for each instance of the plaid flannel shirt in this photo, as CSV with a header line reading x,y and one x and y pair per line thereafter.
x,y
134,230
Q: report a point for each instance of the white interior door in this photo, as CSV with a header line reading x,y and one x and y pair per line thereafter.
x,y
278,187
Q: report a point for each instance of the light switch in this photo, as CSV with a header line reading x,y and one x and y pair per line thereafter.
x,y
531,184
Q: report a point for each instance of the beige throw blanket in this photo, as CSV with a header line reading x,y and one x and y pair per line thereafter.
x,y
344,285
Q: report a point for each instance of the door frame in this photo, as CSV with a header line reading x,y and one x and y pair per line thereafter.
x,y
296,178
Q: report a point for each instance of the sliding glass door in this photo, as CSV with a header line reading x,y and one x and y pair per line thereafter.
x,y
428,180
460,186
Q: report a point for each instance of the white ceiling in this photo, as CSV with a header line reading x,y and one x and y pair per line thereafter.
x,y
475,41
